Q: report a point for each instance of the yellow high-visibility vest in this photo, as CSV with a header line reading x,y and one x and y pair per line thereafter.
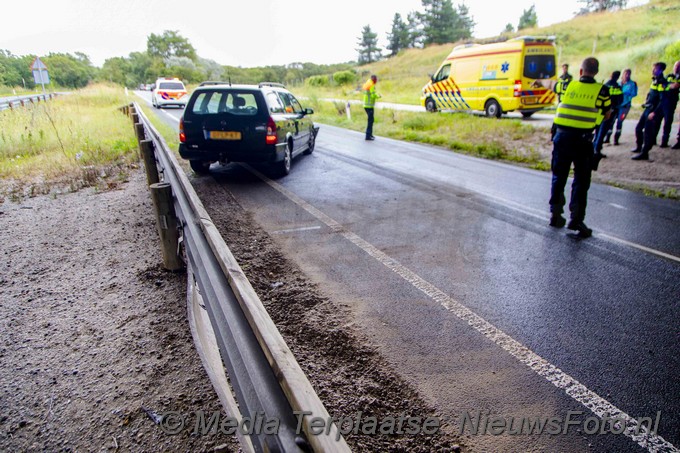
x,y
578,107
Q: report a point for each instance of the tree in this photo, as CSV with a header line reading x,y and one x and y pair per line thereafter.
x,y
169,44
14,70
593,6
528,18
415,33
368,46
508,28
68,70
399,37
441,23
465,24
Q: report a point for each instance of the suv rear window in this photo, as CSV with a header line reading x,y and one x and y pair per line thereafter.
x,y
234,102
170,86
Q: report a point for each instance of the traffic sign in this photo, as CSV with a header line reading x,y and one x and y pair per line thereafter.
x,y
40,74
38,64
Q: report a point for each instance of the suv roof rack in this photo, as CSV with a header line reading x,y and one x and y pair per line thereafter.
x,y
213,82
271,84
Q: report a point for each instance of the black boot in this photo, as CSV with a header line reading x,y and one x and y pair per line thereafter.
x,y
578,225
641,156
557,221
676,146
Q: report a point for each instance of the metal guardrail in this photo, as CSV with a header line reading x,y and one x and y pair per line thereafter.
x,y
262,370
22,101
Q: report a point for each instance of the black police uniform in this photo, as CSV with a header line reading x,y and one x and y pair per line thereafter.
x,y
582,109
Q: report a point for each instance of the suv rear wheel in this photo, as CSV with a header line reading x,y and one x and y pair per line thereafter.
x,y
200,167
284,166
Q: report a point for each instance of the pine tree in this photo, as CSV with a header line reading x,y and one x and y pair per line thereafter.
x,y
528,18
443,24
465,23
368,46
415,33
399,36
508,28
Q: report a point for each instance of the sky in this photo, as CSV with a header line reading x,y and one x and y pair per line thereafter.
x,y
244,33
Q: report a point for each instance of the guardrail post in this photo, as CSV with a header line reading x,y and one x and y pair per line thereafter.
x,y
166,221
134,116
146,147
139,131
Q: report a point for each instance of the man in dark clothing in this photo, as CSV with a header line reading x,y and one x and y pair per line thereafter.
x,y
565,78
616,95
648,125
584,105
670,102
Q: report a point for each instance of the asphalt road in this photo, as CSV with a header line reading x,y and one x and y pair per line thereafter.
x,y
448,265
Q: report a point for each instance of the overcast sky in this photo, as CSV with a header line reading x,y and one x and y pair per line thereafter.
x,y
240,33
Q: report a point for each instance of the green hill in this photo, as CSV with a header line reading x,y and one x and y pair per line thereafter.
x,y
632,38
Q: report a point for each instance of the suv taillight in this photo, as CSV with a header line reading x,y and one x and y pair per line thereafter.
x,y
271,132
182,135
518,89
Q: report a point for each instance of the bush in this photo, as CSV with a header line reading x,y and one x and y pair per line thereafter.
x,y
672,54
317,81
344,77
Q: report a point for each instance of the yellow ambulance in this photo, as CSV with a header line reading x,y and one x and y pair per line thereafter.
x,y
494,78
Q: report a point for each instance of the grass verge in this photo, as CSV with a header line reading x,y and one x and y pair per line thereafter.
x,y
74,141
489,138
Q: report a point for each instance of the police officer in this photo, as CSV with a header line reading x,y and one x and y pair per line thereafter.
x,y
565,78
616,94
584,105
670,102
370,97
648,126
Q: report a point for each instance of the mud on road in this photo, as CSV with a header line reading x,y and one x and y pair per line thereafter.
x,y
344,368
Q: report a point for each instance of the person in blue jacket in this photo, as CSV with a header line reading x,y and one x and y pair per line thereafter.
x,y
630,90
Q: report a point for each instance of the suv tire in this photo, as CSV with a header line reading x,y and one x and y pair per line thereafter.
x,y
311,144
200,167
283,167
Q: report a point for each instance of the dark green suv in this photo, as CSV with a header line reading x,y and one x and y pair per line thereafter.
x,y
244,123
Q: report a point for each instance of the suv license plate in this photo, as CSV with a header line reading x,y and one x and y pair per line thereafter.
x,y
225,135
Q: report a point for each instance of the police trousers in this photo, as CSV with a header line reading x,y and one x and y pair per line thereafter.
x,y
577,148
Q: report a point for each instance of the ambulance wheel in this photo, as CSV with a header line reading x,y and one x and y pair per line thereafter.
x,y
430,105
492,109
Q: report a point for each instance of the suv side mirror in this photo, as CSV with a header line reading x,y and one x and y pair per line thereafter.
x,y
431,77
308,111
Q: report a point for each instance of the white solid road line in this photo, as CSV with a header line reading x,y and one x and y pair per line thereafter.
x,y
573,388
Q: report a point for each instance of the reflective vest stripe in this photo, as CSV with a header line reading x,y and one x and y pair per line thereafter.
x,y
578,107
576,118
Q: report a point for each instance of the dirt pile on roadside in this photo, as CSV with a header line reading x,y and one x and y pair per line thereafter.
x,y
92,330
348,374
